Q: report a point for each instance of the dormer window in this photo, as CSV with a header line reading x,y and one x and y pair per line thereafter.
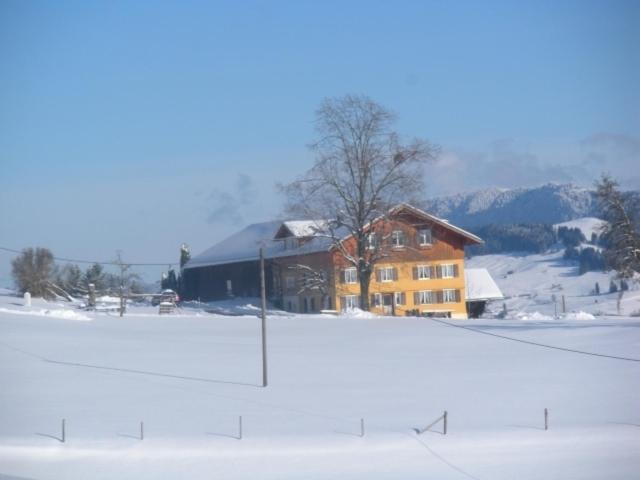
x,y
397,239
291,243
425,237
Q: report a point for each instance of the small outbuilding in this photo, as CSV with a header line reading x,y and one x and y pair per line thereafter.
x,y
480,289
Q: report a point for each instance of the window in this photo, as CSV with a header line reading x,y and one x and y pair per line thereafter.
x,y
449,296
423,272
372,241
426,296
397,238
289,282
350,302
386,274
376,300
447,270
425,237
291,243
350,275
400,298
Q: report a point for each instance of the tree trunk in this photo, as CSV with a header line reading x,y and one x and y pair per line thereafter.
x,y
619,299
365,278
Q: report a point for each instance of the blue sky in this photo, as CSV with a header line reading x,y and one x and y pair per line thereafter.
x,y
138,125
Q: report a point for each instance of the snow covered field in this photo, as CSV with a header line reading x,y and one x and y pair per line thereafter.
x,y
531,282
189,376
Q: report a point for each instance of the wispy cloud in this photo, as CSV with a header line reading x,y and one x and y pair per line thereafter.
x,y
508,164
229,206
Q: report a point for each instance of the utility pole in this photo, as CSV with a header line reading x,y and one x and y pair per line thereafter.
x,y
263,295
123,269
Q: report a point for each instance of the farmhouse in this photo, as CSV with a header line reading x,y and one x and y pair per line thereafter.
x,y
420,269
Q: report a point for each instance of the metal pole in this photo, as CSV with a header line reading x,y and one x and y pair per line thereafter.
x,y
263,295
64,436
546,419
141,430
240,427
445,422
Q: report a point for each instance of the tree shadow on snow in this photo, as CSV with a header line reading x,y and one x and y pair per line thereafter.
x,y
529,427
47,435
226,435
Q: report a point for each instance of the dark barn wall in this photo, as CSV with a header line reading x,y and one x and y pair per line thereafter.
x,y
210,283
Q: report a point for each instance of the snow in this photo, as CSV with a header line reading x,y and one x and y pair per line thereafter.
x,y
189,376
245,245
587,225
480,286
305,228
579,316
538,282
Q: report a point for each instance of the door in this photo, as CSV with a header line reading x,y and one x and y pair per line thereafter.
x,y
387,303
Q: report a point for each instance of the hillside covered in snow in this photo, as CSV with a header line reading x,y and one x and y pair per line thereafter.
x,y
550,204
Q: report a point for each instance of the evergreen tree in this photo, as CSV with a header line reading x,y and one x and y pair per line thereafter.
x,y
185,255
613,288
69,278
169,280
621,230
95,275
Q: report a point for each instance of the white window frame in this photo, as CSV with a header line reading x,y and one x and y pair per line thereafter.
x,y
448,270
372,241
424,272
449,295
289,282
422,237
397,298
350,275
377,300
396,236
427,297
351,302
386,274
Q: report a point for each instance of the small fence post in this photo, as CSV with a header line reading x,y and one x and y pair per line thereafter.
x,y
362,427
141,430
240,427
445,422
546,419
64,434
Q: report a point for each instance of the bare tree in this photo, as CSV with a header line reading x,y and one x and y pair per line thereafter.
x,y
312,280
33,270
621,234
360,171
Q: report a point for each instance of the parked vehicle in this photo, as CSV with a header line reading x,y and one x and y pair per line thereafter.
x,y
167,295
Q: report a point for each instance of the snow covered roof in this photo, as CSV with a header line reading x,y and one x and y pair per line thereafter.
x,y
244,246
480,285
305,228
444,223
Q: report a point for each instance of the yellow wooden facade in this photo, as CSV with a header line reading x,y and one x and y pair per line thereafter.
x,y
412,279
408,295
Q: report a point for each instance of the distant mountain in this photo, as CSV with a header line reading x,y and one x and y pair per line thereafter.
x,y
551,204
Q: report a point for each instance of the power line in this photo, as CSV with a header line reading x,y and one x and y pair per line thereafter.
x,y
92,262
535,343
